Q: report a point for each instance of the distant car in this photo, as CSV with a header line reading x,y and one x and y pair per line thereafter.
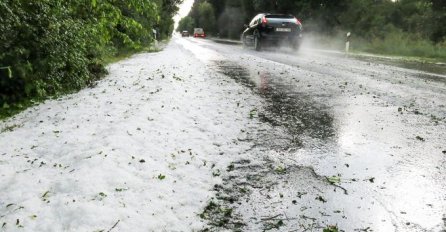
x,y
185,34
199,32
273,29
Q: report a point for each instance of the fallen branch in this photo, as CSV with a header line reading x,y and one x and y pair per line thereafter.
x,y
345,190
270,218
114,226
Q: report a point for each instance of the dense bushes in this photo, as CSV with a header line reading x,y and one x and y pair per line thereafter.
x,y
49,47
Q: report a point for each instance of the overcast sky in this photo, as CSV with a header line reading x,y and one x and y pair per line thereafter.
x,y
184,10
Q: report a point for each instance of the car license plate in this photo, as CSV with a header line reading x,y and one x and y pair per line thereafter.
x,y
283,29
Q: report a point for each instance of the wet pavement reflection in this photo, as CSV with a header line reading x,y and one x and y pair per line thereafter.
x,y
297,112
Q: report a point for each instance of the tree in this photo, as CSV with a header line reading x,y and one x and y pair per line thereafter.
x,y
372,19
232,19
438,21
186,24
49,47
206,18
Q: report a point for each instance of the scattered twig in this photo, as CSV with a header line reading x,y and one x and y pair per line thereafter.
x,y
275,218
270,218
345,190
114,226
306,217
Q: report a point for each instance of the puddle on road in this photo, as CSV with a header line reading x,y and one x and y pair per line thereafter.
x,y
296,112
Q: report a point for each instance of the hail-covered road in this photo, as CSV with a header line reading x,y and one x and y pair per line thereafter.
x,y
208,135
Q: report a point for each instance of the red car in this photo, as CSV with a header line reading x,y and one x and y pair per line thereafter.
x,y
199,32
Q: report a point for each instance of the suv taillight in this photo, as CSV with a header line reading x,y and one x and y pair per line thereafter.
x,y
297,21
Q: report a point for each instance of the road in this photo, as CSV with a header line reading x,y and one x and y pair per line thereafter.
x,y
380,130
272,140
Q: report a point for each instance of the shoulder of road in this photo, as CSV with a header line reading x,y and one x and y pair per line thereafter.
x,y
354,54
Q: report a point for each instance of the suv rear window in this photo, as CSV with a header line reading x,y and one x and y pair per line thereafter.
x,y
279,16
198,30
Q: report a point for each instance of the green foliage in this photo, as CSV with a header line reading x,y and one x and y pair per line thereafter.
x,y
400,43
331,229
207,17
51,47
186,24
202,15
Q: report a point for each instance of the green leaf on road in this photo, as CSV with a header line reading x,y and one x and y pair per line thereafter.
x,y
331,229
334,179
252,113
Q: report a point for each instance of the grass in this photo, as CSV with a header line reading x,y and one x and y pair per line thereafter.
x,y
400,44
122,55
7,111
396,43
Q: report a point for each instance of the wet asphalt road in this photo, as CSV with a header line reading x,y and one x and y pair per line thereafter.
x,y
357,144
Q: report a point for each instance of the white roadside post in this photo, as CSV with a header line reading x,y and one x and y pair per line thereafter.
x,y
347,43
154,34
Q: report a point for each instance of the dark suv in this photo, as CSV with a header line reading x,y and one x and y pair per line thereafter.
x,y
265,29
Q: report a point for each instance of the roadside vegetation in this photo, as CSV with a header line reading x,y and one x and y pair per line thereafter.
x,y
400,27
50,47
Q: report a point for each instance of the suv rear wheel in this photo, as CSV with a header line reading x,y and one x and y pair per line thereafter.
x,y
296,44
244,43
257,42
